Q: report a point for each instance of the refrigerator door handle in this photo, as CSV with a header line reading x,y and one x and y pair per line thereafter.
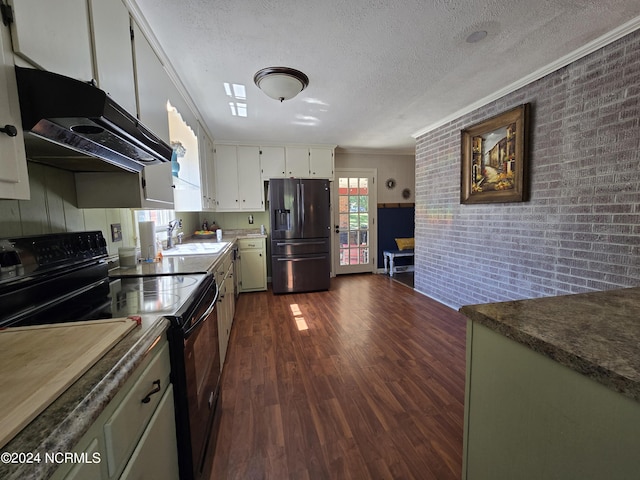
x,y
302,259
302,204
299,204
298,244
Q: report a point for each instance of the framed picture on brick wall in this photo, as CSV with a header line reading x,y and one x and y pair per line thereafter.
x,y
494,158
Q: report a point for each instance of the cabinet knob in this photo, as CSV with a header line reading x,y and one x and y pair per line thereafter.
x,y
9,130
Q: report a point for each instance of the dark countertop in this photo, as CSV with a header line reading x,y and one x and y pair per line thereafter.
x,y
596,334
63,423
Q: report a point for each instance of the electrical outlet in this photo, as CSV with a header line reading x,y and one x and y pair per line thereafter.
x,y
116,232
250,219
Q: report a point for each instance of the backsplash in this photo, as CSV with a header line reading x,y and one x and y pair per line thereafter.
x,y
52,209
236,220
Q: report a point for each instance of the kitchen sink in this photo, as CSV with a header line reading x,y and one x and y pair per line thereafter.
x,y
211,248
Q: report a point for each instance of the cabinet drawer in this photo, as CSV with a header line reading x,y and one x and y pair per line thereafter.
x,y
123,429
251,243
156,456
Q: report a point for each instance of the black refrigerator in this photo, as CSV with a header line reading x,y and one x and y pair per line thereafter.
x,y
300,216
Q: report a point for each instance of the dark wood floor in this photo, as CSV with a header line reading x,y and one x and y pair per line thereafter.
x,y
363,381
404,278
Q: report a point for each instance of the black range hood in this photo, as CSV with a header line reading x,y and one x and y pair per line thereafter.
x,y
75,126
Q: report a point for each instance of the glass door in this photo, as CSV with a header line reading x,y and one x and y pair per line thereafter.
x,y
355,231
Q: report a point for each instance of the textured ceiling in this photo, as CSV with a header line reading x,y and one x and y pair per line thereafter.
x,y
379,71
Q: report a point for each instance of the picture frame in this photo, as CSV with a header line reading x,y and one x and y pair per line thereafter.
x,y
494,158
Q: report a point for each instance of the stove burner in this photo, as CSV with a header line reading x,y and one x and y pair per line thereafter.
x,y
162,294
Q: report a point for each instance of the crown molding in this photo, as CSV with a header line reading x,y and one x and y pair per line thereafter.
x,y
583,51
375,151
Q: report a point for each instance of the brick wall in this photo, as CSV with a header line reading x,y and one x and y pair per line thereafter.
x,y
580,229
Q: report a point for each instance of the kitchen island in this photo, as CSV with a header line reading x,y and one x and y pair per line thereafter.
x,y
553,388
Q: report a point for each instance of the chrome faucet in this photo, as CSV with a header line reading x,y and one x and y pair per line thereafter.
x,y
172,225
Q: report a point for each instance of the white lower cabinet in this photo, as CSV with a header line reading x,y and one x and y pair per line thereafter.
x,y
252,265
226,303
91,468
154,457
125,426
135,435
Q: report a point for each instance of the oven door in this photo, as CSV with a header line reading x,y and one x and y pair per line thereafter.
x,y
201,378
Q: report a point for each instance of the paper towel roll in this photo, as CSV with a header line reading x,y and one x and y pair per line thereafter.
x,y
147,240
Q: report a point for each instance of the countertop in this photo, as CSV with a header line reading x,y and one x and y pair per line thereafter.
x,y
183,264
596,334
61,425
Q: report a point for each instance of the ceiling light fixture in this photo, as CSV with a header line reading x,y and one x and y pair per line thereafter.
x,y
477,36
281,83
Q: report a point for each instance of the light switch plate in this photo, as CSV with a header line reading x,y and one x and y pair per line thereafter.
x,y
116,232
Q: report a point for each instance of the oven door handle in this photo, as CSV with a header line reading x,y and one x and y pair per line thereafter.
x,y
52,303
204,316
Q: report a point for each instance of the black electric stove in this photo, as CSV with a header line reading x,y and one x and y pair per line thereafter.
x,y
64,277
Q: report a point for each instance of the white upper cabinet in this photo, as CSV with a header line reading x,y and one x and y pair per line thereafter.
x,y
149,189
250,187
188,180
154,86
321,162
112,51
82,39
207,170
272,162
297,162
54,36
238,183
157,190
14,179
226,165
